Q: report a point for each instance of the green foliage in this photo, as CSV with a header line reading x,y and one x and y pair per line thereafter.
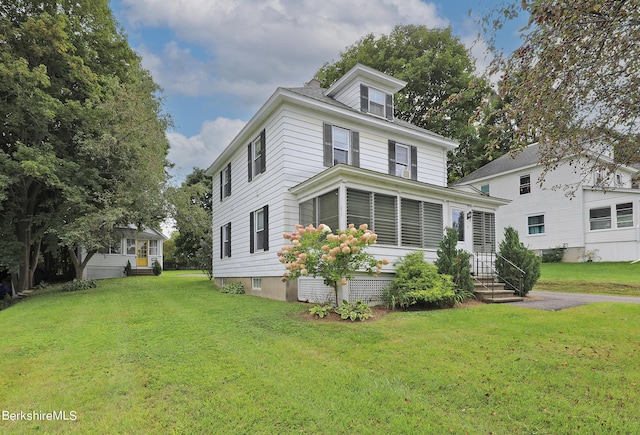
x,y
191,208
127,269
83,149
513,253
419,283
456,263
553,255
157,268
353,311
77,285
436,65
321,310
233,288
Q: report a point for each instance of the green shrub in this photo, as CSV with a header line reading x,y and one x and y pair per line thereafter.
x,y
77,285
419,283
233,288
157,267
321,310
357,310
456,263
553,255
513,252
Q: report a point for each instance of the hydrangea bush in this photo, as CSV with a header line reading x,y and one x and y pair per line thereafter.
x,y
335,257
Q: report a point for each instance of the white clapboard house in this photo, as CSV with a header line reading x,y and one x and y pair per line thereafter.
x,y
599,221
336,156
140,248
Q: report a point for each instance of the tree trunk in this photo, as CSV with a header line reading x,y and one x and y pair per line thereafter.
x,y
78,263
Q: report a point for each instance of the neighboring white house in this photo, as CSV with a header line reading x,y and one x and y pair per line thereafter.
x,y
336,156
604,222
139,248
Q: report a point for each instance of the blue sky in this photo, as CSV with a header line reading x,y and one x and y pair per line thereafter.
x,y
218,61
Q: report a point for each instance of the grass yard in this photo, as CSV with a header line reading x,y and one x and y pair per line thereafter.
x,y
170,354
622,279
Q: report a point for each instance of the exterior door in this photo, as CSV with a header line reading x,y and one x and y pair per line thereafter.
x,y
142,253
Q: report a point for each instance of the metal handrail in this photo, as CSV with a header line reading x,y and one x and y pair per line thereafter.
x,y
481,266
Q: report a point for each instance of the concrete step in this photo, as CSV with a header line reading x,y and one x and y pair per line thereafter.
x,y
496,296
141,272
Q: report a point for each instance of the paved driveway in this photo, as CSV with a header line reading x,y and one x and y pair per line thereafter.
x,y
552,301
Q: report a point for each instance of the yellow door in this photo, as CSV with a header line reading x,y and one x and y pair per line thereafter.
x,y
142,251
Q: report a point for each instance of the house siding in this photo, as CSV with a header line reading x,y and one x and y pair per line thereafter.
x,y
566,217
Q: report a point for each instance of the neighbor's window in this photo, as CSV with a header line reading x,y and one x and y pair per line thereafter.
x,y
600,218
153,247
535,224
484,189
256,283
624,214
525,184
131,246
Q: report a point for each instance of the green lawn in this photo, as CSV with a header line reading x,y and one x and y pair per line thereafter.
x,y
621,279
171,354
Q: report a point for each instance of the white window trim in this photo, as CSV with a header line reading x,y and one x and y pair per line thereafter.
x,y
255,281
346,149
255,158
407,167
543,225
525,185
257,229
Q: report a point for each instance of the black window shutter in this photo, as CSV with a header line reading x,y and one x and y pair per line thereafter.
x,y
229,246
222,242
263,156
392,157
364,98
414,163
327,148
250,159
252,233
355,149
389,106
229,178
265,211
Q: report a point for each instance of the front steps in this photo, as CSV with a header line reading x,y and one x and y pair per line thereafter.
x,y
487,290
141,272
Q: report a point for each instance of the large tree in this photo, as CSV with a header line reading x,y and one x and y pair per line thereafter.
x,y
192,206
82,148
574,83
439,72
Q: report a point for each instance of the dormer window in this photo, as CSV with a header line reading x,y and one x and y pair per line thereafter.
x,y
376,102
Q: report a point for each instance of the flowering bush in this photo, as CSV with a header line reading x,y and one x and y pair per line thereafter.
x,y
334,257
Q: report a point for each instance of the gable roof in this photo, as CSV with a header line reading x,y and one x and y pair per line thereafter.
x,y
530,156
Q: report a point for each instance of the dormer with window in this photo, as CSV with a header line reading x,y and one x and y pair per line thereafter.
x,y
367,90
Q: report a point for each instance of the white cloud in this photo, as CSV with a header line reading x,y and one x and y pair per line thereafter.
x,y
201,150
247,48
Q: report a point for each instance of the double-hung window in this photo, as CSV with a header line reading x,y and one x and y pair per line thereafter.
x,y
259,227
535,224
341,146
225,241
525,184
403,160
225,182
256,156
153,247
624,215
600,218
131,246
376,102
